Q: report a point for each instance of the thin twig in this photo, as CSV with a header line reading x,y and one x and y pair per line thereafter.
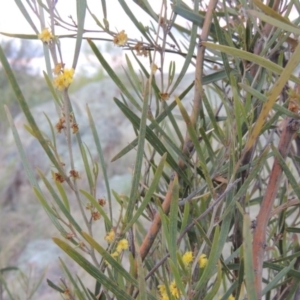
x,y
208,210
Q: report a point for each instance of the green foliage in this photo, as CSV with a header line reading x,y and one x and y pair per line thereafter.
x,y
204,167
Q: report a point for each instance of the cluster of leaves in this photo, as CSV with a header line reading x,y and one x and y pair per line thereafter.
x,y
196,188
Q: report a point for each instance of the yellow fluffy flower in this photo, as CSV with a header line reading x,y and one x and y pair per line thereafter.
x,y
46,36
187,257
230,298
174,290
163,292
59,82
162,288
202,261
120,39
154,68
63,80
122,245
58,68
164,297
115,254
110,236
68,74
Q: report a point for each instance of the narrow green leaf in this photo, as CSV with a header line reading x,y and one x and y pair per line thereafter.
x,y
275,22
211,295
188,14
222,41
77,290
60,204
29,173
278,108
81,10
54,286
144,4
52,216
185,217
149,193
212,118
7,269
63,195
25,108
279,277
103,3
293,229
53,135
95,203
92,270
51,88
253,58
203,235
113,75
20,35
31,177
97,21
192,44
257,165
117,266
229,292
208,144
136,82
134,194
151,137
26,15
212,261
239,114
4,285
175,125
147,74
86,292
171,73
271,12
177,276
194,138
141,277
101,158
276,267
87,166
291,179
248,259
159,119
165,136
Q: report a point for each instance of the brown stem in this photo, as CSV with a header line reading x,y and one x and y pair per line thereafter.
x,y
198,77
156,223
259,237
248,155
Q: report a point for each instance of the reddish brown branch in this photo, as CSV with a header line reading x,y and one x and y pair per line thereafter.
x,y
290,128
198,77
248,155
156,223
